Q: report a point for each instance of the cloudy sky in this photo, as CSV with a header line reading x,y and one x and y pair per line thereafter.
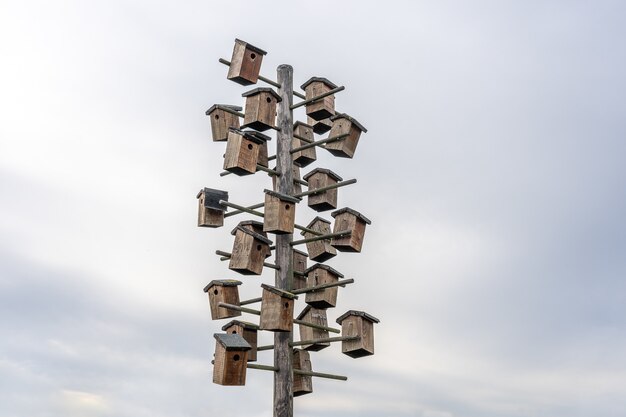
x,y
493,171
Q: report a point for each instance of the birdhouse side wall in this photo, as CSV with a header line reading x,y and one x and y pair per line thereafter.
x,y
245,65
306,156
276,313
221,121
302,384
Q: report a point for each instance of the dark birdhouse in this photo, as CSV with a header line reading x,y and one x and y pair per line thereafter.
x,y
315,316
231,357
361,324
222,120
306,156
210,211
355,222
324,107
250,248
223,291
295,173
242,151
260,108
249,333
319,250
320,274
280,212
276,309
299,269
245,64
302,384
320,126
344,124
319,178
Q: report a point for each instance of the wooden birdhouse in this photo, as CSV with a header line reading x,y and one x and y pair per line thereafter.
x,y
210,211
299,269
245,64
249,333
319,178
361,324
295,173
319,250
320,274
302,384
242,151
260,108
320,126
344,124
223,291
280,212
222,120
306,156
315,316
250,248
355,222
276,309
324,107
231,358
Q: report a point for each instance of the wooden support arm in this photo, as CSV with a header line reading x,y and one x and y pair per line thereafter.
x,y
321,96
265,80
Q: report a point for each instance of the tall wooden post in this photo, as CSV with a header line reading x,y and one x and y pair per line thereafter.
x,y
283,377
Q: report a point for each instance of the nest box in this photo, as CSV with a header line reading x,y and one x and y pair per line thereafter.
x,y
360,324
295,173
222,120
248,331
302,384
242,151
299,269
276,309
250,248
319,250
210,211
315,316
320,274
280,212
231,354
320,126
344,124
223,291
355,222
306,156
318,178
324,107
260,111
245,64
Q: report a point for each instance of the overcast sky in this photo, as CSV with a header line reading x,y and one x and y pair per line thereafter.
x,y
493,172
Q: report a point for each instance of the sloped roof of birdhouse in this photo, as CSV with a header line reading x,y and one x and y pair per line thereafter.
x,y
349,118
325,267
357,313
212,198
232,341
253,223
353,212
283,197
243,324
260,90
299,123
254,234
318,79
300,252
222,283
315,220
282,293
222,107
252,135
251,47
303,313
322,171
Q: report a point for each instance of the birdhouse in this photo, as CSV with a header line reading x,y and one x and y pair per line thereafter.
x,y
315,316
223,291
231,354
249,333
361,324
295,173
210,211
302,384
280,212
319,250
299,268
242,151
320,126
245,64
222,120
260,108
276,309
320,274
306,156
319,178
324,107
250,249
344,124
355,222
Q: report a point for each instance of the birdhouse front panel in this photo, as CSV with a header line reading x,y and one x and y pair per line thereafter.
x,y
276,309
344,124
353,221
223,291
210,212
318,275
248,331
249,251
319,250
231,357
319,178
361,325
315,316
302,384
280,213
242,154
322,108
306,156
320,126
245,63
260,113
222,121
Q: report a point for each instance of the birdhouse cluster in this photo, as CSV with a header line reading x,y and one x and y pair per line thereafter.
x,y
268,241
